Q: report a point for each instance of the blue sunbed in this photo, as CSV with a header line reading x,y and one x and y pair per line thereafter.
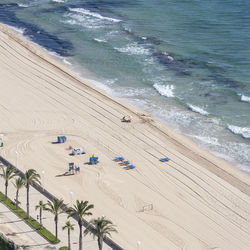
x,y
164,159
130,166
125,162
120,158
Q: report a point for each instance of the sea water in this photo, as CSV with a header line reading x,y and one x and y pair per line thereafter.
x,y
185,62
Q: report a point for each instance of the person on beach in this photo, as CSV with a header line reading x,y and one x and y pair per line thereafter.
x,y
126,118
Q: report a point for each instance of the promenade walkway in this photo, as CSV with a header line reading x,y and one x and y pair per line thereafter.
x,y
17,230
13,227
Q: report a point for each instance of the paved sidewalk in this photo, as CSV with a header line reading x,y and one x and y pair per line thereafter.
x,y
27,235
17,230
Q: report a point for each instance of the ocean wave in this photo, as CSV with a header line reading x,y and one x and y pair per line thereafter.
x,y
102,85
84,21
66,61
207,140
245,131
134,49
18,30
59,1
57,56
197,109
23,5
165,90
245,98
100,40
133,92
94,14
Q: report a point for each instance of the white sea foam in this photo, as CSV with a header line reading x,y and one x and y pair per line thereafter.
x,y
100,40
245,131
58,57
85,21
133,92
245,98
101,85
165,90
110,82
66,61
23,5
93,14
59,1
133,49
197,109
18,30
207,140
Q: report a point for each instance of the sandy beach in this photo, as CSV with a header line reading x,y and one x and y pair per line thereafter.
x,y
198,201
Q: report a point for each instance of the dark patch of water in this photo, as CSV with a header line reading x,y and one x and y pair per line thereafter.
x,y
104,4
36,34
179,66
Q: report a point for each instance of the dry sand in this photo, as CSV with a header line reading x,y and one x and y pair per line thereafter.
x,y
199,201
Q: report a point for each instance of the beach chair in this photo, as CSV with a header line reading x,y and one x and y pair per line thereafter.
x,y
71,167
125,162
77,151
164,159
61,139
93,160
130,166
120,158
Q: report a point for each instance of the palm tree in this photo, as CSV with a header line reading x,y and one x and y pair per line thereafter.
x,y
78,211
30,177
70,227
41,207
18,185
100,228
56,208
8,174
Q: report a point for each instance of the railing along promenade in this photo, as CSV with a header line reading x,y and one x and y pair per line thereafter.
x,y
51,197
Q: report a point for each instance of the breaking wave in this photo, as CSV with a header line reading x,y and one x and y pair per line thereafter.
x,y
197,109
245,132
165,90
23,5
245,98
100,40
93,14
134,49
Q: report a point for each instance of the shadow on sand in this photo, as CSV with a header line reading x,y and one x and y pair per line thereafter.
x,y
64,174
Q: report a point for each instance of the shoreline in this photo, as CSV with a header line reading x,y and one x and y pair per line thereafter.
x,y
133,110
183,151
93,81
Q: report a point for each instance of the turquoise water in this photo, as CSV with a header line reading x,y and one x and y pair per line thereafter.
x,y
186,62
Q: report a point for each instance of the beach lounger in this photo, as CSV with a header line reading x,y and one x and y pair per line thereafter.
x,y
164,159
130,166
120,158
125,162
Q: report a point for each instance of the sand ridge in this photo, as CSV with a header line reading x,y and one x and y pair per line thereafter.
x,y
199,201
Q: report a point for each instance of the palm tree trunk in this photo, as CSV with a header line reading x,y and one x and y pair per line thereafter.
x,y
28,212
80,237
17,199
41,225
6,189
100,243
56,221
68,238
